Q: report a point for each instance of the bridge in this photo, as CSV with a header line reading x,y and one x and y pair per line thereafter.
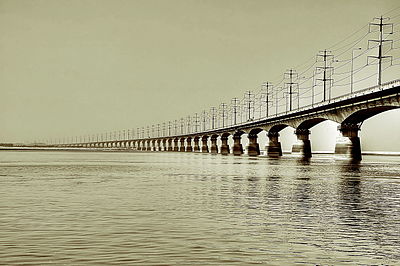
x,y
290,103
349,110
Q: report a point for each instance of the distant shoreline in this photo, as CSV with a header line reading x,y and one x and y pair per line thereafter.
x,y
136,151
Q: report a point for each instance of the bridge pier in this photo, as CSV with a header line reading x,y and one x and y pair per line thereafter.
x,y
189,144
237,145
214,147
170,145
224,145
158,142
182,145
196,144
351,131
204,147
164,145
148,145
303,135
274,148
254,148
176,148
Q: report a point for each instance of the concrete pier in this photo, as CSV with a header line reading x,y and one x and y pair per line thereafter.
x,y
224,146
237,145
182,145
354,147
214,147
274,148
303,135
196,144
204,147
253,149
189,144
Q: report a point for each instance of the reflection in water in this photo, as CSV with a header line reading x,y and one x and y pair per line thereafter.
x,y
187,208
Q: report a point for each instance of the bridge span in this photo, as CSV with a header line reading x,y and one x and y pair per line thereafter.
x,y
349,111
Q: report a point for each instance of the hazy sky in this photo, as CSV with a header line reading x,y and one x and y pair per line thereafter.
x,y
83,67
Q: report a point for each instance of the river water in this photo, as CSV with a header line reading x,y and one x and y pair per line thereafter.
x,y
92,208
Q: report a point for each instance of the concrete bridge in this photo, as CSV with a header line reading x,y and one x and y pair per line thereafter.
x,y
349,110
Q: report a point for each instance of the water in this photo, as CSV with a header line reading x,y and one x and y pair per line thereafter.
x,y
79,208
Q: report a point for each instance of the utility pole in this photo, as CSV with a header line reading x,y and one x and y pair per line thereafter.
x,y
249,104
196,122
189,124
158,130
235,103
380,42
176,126
291,75
204,115
327,71
213,115
223,107
169,128
265,94
182,124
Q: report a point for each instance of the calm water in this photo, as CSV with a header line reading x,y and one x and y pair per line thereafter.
x,y
96,208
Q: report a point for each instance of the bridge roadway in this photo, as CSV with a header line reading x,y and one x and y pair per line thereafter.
x,y
350,111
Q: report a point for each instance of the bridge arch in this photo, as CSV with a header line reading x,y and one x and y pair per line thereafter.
x,y
363,114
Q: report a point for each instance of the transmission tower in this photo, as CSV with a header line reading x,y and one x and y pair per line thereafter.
x,y
213,114
265,97
196,122
223,113
380,42
189,124
235,104
204,118
248,105
291,75
327,70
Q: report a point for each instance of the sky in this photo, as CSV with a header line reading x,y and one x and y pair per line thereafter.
x,y
72,68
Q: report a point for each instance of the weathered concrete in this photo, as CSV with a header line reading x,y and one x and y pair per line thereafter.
x,y
182,145
224,145
351,131
274,148
214,147
176,148
189,144
204,147
303,135
170,148
253,149
196,144
237,145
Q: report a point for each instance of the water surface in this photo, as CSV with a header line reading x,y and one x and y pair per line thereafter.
x,y
80,208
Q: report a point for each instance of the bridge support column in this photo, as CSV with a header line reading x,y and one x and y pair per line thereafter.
x,y
224,145
214,147
254,148
354,148
182,145
148,145
274,148
237,145
189,144
170,145
158,145
303,135
164,145
204,147
196,144
176,148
